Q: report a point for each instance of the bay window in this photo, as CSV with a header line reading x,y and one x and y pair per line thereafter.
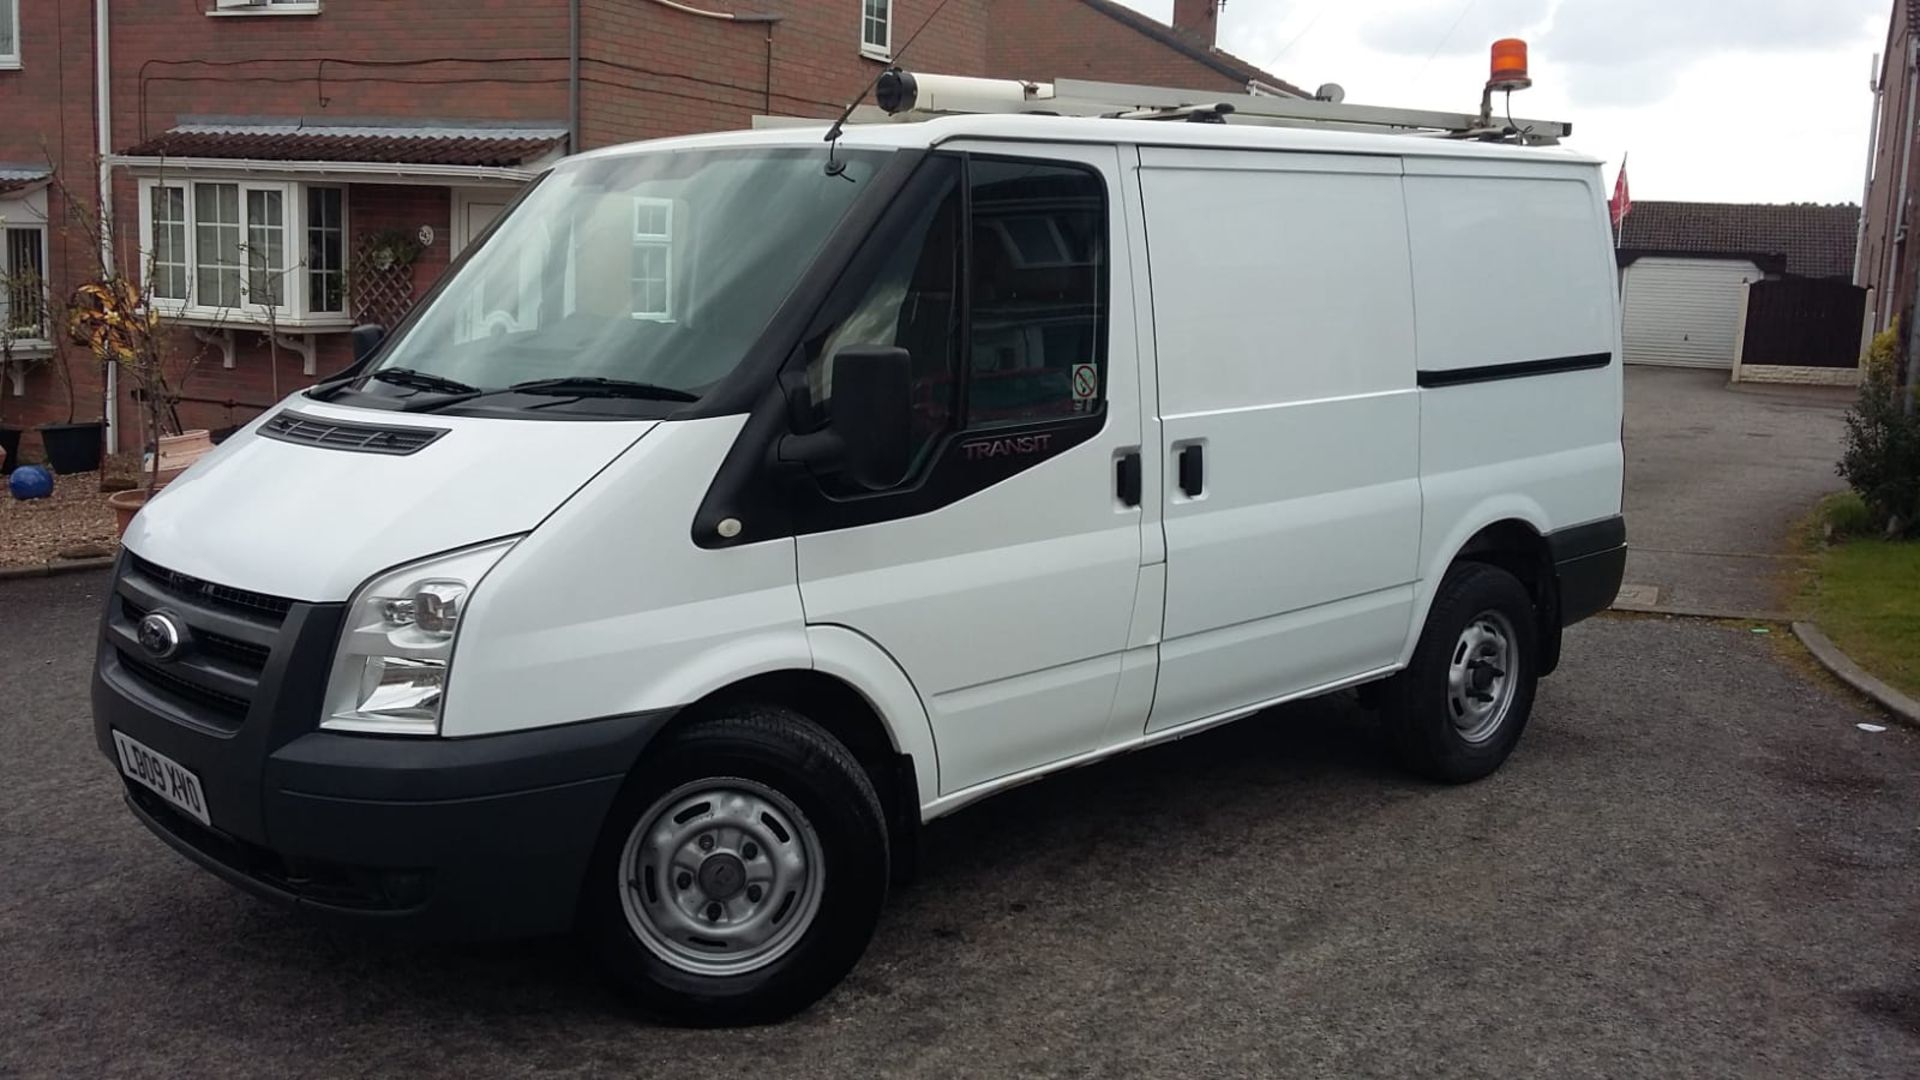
x,y
219,249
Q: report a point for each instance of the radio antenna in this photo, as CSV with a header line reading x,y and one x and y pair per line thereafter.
x,y
836,167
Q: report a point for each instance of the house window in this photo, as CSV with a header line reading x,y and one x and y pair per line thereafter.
x,y
23,272
876,29
167,259
216,215
263,7
228,248
9,33
653,259
326,249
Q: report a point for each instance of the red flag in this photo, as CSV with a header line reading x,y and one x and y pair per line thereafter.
x,y
1621,202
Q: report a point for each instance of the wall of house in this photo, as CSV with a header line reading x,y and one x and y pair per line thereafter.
x,y
46,117
1886,264
357,59
651,71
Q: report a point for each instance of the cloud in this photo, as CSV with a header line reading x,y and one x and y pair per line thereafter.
x,y
1622,52
1451,27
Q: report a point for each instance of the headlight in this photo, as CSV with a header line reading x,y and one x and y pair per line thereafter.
x,y
390,671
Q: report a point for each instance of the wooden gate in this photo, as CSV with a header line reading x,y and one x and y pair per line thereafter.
x,y
1802,322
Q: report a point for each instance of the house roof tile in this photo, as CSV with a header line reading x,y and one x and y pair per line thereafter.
x,y
417,144
18,178
1815,240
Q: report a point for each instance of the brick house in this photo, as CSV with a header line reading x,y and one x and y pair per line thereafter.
x,y
283,169
1887,249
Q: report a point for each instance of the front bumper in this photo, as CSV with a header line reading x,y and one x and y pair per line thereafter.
x,y
459,838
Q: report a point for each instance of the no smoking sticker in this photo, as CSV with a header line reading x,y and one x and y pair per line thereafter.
x,y
1086,382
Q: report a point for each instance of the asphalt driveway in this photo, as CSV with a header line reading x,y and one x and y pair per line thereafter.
x,y
1714,476
1696,864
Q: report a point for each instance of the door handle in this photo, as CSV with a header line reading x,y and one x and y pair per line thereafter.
x,y
1193,470
1126,477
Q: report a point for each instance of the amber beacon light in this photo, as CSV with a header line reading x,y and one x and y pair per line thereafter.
x,y
1509,70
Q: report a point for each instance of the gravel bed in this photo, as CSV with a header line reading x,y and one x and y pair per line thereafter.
x,y
73,523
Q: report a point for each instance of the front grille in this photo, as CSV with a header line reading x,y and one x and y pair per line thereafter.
x,y
244,654
194,590
229,636
293,427
184,691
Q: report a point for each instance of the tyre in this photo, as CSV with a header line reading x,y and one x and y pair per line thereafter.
x,y
1458,709
741,871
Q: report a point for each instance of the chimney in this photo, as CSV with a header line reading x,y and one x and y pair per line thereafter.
x,y
1198,18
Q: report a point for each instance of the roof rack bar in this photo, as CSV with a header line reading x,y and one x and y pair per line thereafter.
x,y
908,96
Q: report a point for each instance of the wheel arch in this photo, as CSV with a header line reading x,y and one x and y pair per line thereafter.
x,y
1512,535
856,691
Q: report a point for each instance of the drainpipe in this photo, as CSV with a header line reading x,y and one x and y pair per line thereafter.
x,y
1873,151
573,77
103,126
1898,242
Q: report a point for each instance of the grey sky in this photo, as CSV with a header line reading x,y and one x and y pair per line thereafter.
x,y
1736,100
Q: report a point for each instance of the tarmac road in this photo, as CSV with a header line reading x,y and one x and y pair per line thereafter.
x,y
1695,865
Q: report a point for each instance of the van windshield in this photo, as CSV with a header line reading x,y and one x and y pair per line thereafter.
x,y
653,271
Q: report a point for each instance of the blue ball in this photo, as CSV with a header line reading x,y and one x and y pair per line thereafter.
x,y
31,482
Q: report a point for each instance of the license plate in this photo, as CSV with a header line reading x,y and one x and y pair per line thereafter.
x,y
163,776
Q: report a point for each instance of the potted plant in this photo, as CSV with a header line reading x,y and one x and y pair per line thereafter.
x,y
112,318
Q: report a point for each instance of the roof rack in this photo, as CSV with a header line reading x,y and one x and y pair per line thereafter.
x,y
907,96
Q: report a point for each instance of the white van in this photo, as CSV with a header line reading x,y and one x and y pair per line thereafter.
x,y
723,517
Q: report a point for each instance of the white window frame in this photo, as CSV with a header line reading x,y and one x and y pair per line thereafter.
x,y
262,7
871,49
295,309
10,58
19,215
662,241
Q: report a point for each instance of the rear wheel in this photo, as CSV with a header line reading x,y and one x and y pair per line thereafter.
x,y
741,872
1459,707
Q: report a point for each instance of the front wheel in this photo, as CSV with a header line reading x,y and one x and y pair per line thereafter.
x,y
1459,707
741,872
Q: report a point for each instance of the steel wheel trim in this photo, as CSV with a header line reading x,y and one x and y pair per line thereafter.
x,y
721,876
1482,676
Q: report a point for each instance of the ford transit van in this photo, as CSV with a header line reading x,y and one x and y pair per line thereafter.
x,y
725,516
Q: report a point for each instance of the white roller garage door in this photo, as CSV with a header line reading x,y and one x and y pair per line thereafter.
x,y
1684,312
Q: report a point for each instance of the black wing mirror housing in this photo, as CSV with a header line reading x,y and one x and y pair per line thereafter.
x,y
367,338
869,435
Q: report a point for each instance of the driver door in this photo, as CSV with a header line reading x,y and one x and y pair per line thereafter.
x,y
1002,573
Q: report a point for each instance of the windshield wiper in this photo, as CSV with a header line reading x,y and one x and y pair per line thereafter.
x,y
599,386
577,386
422,380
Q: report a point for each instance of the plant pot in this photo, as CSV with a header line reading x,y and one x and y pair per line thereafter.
x,y
73,448
179,451
126,504
9,448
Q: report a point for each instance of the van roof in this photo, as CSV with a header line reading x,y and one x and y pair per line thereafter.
x,y
929,133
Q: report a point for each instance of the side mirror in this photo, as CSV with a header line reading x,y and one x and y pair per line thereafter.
x,y
869,435
367,337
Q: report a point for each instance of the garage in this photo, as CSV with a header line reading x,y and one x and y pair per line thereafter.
x,y
1683,266
1684,312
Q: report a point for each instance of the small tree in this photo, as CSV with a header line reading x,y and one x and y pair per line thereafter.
x,y
1882,457
114,320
